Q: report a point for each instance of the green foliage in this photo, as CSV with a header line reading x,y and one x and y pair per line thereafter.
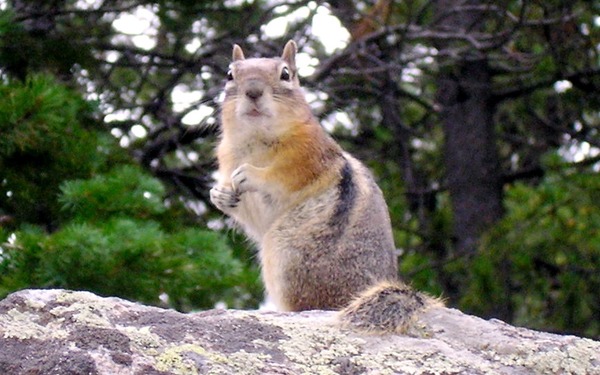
x,y
123,191
48,135
124,250
53,51
549,242
82,216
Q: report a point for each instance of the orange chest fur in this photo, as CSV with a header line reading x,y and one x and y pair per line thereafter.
x,y
295,160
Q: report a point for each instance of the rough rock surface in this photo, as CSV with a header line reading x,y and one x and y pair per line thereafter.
x,y
63,332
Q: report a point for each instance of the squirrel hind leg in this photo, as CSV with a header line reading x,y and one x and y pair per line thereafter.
x,y
388,307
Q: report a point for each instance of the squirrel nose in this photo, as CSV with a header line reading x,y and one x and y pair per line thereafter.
x,y
254,90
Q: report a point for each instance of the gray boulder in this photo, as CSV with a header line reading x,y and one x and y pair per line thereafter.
x,y
62,332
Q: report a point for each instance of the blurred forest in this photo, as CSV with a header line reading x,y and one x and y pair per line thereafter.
x,y
480,120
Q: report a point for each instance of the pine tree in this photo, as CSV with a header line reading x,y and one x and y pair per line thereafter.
x,y
78,214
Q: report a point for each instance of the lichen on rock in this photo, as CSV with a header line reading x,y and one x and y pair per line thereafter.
x,y
60,332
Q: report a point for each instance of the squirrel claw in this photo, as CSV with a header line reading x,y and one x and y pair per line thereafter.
x,y
224,198
240,179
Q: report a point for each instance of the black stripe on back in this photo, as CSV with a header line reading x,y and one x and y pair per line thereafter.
x,y
346,197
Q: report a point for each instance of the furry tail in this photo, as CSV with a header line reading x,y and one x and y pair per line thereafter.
x,y
388,307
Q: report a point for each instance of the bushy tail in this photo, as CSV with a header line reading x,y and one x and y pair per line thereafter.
x,y
388,307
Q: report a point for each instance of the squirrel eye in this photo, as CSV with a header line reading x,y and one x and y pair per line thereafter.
x,y
229,75
285,74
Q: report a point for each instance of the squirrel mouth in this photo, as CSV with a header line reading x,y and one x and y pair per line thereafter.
x,y
255,112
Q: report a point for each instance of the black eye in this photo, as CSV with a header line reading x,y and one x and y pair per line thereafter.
x,y
285,74
229,75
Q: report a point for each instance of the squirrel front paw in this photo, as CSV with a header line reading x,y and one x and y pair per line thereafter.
x,y
243,178
224,198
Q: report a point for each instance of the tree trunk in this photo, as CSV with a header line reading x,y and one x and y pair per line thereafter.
x,y
471,159
473,175
472,163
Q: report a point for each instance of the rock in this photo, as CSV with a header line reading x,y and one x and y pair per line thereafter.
x,y
63,332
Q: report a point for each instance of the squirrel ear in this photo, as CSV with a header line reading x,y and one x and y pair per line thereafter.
x,y
237,54
289,54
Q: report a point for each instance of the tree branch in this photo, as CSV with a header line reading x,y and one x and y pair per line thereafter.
x,y
514,92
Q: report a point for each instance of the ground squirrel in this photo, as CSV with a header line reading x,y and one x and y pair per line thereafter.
x,y
317,216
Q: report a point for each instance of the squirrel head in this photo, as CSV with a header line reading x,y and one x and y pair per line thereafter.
x,y
264,93
286,69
